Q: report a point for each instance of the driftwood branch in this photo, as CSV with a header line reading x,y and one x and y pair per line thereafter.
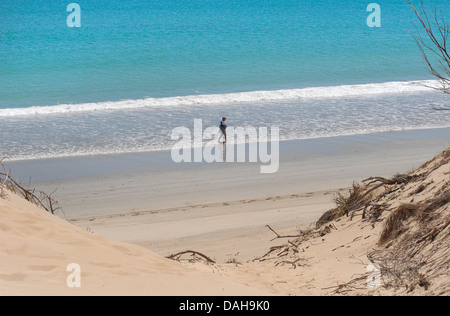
x,y
173,257
398,179
279,236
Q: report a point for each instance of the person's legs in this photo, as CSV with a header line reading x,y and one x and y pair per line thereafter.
x,y
224,134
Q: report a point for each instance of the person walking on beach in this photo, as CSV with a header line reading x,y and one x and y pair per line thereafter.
x,y
223,128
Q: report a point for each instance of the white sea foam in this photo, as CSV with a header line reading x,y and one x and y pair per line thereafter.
x,y
238,97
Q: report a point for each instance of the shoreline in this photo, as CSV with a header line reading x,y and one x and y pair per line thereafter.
x,y
255,243
221,209
44,170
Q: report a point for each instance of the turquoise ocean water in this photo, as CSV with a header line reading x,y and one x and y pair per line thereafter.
x,y
136,69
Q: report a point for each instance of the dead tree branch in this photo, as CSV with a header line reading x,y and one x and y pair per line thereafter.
x,y
41,199
173,257
279,236
433,44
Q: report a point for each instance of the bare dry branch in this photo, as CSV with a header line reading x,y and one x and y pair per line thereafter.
x,y
39,198
279,236
433,43
173,257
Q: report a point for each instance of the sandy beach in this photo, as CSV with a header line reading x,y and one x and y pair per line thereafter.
x,y
38,250
333,177
221,209
123,214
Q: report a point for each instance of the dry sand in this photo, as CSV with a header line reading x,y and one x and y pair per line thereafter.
x,y
37,247
130,218
339,258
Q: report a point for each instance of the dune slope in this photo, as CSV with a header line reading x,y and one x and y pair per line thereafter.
x,y
385,237
36,249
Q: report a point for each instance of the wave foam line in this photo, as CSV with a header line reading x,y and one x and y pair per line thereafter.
x,y
238,97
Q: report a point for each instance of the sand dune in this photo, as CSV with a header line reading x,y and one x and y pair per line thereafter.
x,y
36,248
395,241
399,224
